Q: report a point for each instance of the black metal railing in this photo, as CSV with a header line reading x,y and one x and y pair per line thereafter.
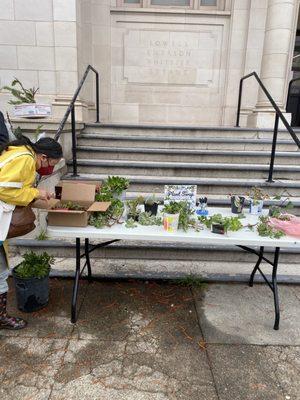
x,y
278,116
71,110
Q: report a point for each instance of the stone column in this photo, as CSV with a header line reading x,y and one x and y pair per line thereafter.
x,y
276,59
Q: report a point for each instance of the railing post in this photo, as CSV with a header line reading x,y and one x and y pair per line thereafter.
x,y
270,178
97,97
74,141
239,104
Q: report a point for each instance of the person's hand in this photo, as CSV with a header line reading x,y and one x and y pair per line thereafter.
x,y
44,195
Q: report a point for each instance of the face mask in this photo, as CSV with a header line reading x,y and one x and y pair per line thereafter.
x,y
42,171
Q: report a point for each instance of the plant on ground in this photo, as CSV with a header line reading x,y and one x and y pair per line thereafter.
x,y
183,208
42,235
191,281
34,265
21,94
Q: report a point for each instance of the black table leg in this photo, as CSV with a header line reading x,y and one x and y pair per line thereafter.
x,y
76,283
87,258
275,288
260,257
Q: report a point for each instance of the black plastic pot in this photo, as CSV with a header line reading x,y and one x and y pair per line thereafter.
x,y
237,204
151,208
32,293
218,228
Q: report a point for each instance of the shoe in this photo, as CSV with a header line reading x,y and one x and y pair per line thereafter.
x,y
6,321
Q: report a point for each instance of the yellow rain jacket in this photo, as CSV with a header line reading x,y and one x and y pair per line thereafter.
x,y
20,170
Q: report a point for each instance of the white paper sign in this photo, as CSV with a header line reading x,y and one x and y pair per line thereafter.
x,y
181,193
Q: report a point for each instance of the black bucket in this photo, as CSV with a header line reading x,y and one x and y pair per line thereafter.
x,y
152,209
237,204
32,293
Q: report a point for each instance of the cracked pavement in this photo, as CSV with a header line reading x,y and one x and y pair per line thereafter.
x,y
155,340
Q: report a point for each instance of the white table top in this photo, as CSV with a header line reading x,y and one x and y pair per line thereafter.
x,y
244,237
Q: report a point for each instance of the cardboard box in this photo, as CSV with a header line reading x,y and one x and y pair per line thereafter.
x,y
79,193
58,187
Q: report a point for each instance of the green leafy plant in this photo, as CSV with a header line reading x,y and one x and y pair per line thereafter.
x,y
69,205
229,223
257,194
42,235
184,210
265,230
21,94
283,206
130,223
34,265
132,206
146,218
110,217
192,281
115,185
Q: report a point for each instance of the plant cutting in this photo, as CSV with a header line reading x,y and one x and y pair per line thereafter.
x,y
133,210
24,101
110,217
147,219
256,198
177,215
151,204
284,205
31,279
264,229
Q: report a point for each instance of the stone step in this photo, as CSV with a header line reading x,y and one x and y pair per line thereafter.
x,y
191,170
182,131
185,155
209,186
187,142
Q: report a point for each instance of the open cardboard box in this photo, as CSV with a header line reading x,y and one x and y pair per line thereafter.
x,y
59,186
79,193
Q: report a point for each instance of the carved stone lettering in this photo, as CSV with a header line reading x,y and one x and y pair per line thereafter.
x,y
174,58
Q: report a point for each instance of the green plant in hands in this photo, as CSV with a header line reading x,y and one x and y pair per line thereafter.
x,y
21,94
264,229
184,210
34,265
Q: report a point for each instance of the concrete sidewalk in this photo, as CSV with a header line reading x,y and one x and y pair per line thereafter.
x,y
155,341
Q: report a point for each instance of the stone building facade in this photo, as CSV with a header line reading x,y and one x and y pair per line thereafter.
x,y
161,62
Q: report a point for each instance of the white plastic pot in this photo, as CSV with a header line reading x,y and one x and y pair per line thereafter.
x,y
32,110
256,207
171,222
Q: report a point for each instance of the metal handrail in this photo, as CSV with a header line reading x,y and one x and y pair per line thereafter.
x,y
289,90
71,109
279,115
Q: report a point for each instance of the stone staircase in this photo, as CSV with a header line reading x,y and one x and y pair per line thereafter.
x,y
218,160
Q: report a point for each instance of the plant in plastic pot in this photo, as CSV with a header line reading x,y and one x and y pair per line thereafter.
x,y
116,186
237,204
256,200
177,215
151,205
31,279
24,102
133,210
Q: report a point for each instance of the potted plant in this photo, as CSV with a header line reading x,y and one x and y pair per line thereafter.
x,y
256,199
151,205
237,203
177,215
116,186
24,104
31,279
221,225
133,210
283,206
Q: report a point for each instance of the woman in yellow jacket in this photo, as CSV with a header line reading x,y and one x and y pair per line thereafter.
x,y
19,162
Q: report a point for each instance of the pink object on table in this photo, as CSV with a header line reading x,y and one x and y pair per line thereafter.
x,y
291,228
